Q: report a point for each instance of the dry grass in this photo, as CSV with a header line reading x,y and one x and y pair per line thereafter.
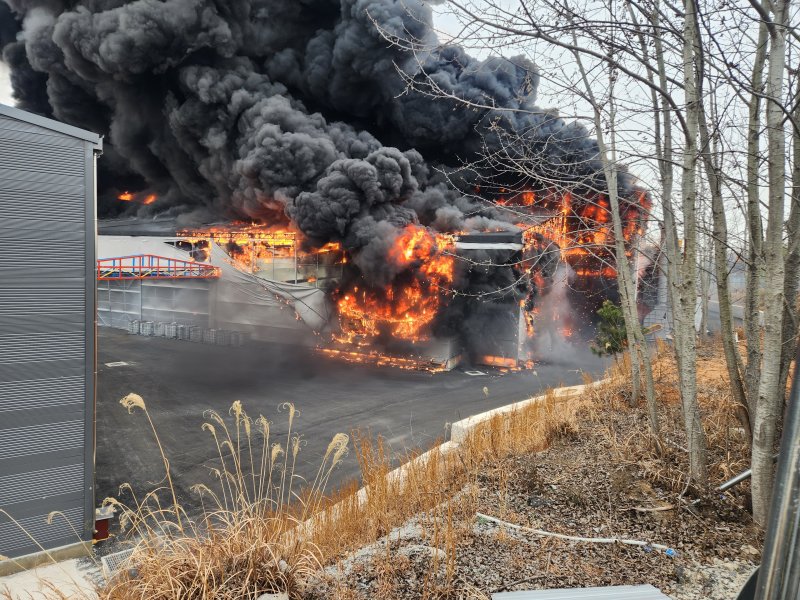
x,y
728,448
245,544
495,459
259,534
433,479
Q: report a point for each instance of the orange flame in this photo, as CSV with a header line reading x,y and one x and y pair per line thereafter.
x,y
248,243
408,305
127,196
582,230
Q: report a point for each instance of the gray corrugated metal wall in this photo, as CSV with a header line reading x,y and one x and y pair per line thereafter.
x,y
184,301
47,304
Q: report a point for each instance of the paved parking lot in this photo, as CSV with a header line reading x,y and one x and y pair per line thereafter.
x,y
179,380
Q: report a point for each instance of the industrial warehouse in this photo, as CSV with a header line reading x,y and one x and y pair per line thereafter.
x,y
229,285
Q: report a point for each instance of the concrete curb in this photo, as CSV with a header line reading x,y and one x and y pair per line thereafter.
x,y
46,557
459,431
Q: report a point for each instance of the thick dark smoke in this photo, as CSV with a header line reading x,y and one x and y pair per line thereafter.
x,y
283,109
209,103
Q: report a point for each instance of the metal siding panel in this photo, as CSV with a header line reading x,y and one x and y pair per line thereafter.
x,y
37,248
41,506
56,194
34,346
624,592
38,462
38,124
34,206
14,129
60,176
29,301
47,232
66,163
34,140
90,356
28,417
40,324
15,541
36,439
17,220
40,393
38,485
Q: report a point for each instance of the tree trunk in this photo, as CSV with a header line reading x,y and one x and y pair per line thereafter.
x,y
792,268
684,312
705,288
753,271
662,117
638,351
770,396
733,361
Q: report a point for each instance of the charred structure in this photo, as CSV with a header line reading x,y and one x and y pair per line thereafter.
x,y
292,115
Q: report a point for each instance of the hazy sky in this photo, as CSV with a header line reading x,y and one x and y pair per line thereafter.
x,y
5,85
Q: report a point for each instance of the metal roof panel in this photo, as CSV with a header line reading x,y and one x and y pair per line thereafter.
x,y
27,117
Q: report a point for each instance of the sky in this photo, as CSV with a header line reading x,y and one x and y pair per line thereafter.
x,y
5,85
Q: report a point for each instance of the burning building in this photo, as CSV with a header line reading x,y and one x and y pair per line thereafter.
x,y
294,117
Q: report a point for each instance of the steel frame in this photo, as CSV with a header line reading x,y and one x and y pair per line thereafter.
x,y
150,266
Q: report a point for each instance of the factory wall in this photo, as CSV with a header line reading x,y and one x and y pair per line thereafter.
x,y
184,301
240,306
47,320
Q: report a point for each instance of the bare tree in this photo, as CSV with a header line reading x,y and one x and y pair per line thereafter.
x,y
686,285
792,275
608,156
712,160
770,396
755,230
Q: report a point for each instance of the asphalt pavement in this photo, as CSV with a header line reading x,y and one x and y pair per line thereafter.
x,y
179,380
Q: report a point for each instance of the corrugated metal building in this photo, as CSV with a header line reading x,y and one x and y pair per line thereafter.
x,y
47,321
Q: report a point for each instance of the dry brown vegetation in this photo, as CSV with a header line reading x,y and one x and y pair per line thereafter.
x,y
594,473
260,534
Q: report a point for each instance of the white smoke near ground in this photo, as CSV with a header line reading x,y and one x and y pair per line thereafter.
x,y
554,328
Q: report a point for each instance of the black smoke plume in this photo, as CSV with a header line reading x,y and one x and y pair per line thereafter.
x,y
283,109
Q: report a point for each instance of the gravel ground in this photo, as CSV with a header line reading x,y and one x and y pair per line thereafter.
x,y
364,574
719,580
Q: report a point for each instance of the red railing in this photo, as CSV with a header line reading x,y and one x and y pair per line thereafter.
x,y
150,266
